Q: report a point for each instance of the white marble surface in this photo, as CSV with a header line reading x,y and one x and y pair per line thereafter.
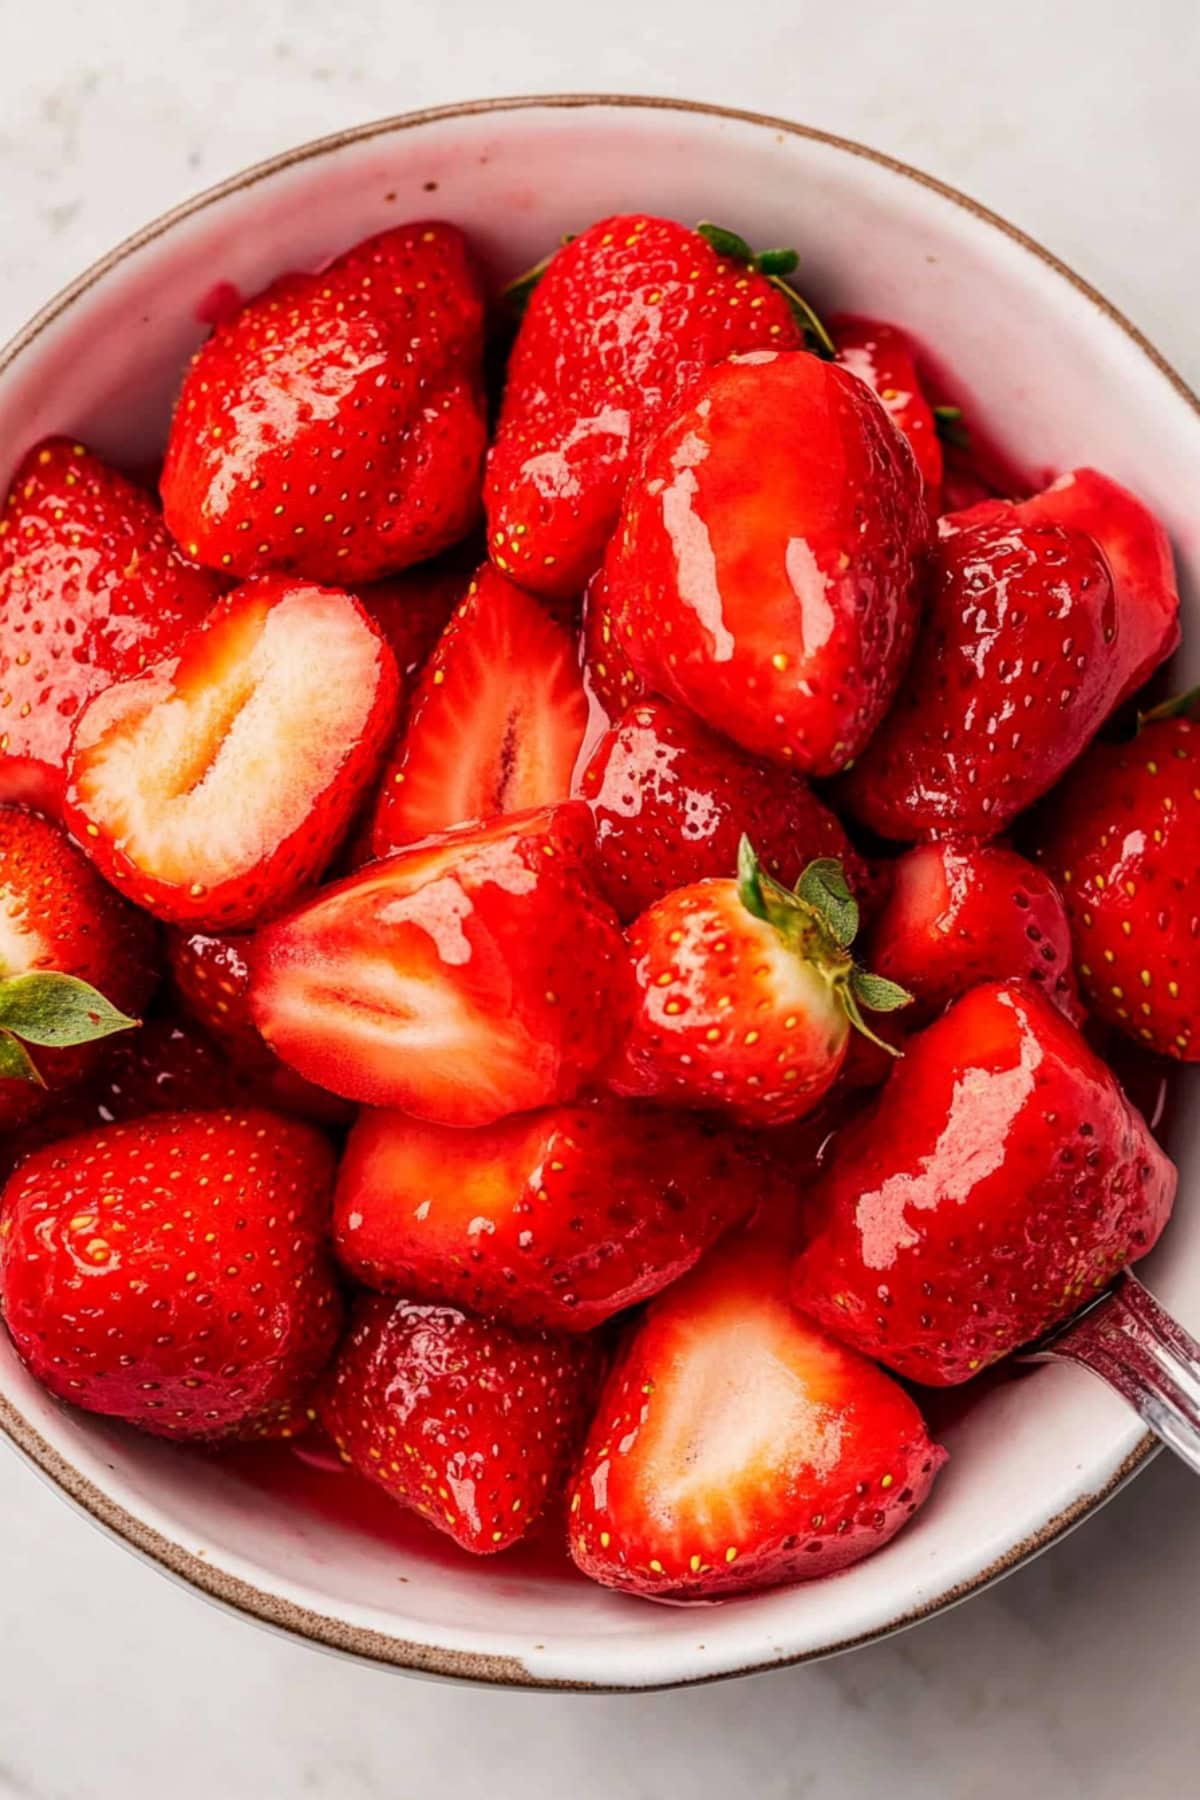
x,y
1076,1677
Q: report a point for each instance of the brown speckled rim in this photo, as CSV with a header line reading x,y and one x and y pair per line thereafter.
x,y
380,1648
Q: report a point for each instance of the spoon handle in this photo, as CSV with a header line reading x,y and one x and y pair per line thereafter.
x,y
1144,1354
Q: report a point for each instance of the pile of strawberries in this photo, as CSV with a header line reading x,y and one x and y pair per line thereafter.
x,y
433,1012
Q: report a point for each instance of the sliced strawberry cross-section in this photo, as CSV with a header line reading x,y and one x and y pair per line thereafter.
x,y
496,722
212,788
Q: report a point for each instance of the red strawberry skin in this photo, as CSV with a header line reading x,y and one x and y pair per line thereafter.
x,y
737,1447
210,973
1136,549
957,915
1120,838
1017,667
727,1014
92,591
171,1272
496,721
765,568
469,977
212,789
556,1219
884,357
612,682
671,801
334,426
413,609
57,914
468,1423
621,325
1000,1180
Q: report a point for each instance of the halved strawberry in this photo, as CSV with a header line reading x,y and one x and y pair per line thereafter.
x,y
736,1446
496,722
213,788
92,589
469,1423
556,1218
475,975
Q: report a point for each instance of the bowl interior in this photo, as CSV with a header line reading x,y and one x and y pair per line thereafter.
x,y
1059,380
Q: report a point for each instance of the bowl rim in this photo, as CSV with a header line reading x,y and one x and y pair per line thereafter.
x,y
382,1649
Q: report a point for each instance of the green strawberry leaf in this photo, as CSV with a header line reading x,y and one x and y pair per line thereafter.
x,y
16,1064
952,427
724,242
776,262
823,887
1177,707
877,992
57,1010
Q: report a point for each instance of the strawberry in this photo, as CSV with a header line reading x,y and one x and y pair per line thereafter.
x,y
63,935
213,788
556,1218
475,975
91,590
1120,838
885,358
334,426
1136,549
210,972
671,800
1000,1180
171,1272
736,1446
622,323
496,721
413,609
467,1422
1019,663
612,682
746,992
764,571
959,915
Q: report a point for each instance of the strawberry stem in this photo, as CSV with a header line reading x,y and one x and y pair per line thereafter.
x,y
1177,707
951,427
774,264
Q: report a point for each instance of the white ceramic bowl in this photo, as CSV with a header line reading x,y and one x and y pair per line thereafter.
x,y
1060,378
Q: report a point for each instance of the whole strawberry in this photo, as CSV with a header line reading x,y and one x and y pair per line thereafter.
x,y
1120,837
736,1445
555,1218
211,789
1019,662
610,677
746,992
467,1422
171,1271
621,324
92,590
671,801
957,915
884,357
1001,1179
474,975
64,935
764,571
334,426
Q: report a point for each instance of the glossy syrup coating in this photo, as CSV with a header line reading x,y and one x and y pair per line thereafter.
x,y
469,1423
214,788
957,915
555,1218
172,1271
1120,837
472,976
1016,668
334,426
92,589
1001,1179
621,324
736,1445
885,358
764,570
671,800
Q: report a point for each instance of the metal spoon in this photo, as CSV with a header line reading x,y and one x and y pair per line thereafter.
x,y
1126,1338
